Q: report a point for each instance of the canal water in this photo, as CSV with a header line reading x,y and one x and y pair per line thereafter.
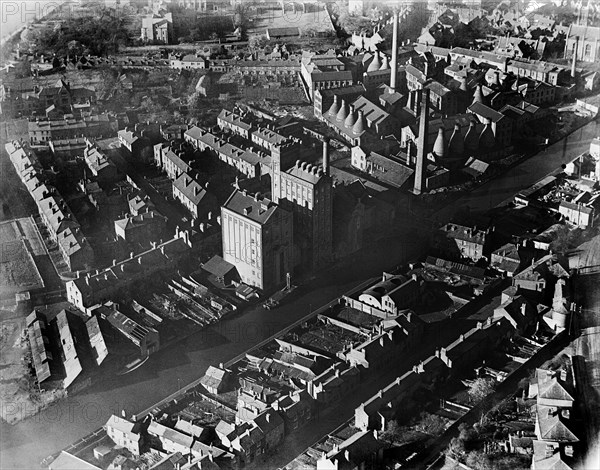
x,y
25,444
526,174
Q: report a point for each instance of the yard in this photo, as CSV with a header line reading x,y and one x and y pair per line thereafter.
x,y
18,271
19,393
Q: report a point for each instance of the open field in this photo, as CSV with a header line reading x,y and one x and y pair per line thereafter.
x,y
18,271
312,20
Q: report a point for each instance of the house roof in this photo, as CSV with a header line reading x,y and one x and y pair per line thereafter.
x,y
576,207
125,426
128,136
40,353
143,218
169,434
217,266
72,240
475,167
552,426
67,461
553,389
190,188
268,420
235,119
213,377
462,232
96,159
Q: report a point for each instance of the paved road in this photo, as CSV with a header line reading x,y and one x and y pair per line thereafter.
x,y
25,444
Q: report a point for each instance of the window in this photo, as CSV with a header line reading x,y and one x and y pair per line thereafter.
x,y
587,50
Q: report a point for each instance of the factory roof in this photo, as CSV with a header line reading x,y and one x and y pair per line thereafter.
x,y
253,208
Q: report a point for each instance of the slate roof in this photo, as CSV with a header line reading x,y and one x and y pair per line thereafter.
x,y
372,113
190,188
217,266
125,426
388,170
253,208
213,377
552,425
485,111
71,241
41,355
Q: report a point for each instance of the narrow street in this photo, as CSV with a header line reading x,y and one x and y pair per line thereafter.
x,y
24,445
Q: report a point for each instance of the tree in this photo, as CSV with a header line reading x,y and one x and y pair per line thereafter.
x,y
431,424
480,391
456,448
391,432
479,461
467,433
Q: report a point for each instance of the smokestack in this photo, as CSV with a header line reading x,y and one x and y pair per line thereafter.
x,y
326,157
394,64
574,57
422,144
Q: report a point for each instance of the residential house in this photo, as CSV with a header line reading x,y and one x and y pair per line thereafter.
x,y
392,294
138,145
576,213
216,380
194,196
141,229
125,433
462,241
506,259
75,249
98,163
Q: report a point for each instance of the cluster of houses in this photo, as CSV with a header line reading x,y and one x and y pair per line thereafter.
x,y
22,97
573,196
518,33
281,386
556,444
63,228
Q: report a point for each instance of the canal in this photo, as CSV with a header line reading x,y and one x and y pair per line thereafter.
x,y
25,444
526,173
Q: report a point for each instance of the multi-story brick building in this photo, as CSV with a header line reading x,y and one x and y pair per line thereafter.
x,y
307,192
257,239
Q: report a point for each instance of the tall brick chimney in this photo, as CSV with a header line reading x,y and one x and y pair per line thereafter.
x,y
574,62
422,145
394,64
326,156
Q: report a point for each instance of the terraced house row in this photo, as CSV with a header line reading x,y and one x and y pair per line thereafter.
x,y
63,227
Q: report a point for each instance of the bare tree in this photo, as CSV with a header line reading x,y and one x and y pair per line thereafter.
x,y
480,391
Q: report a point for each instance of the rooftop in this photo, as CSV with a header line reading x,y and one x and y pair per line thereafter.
x,y
253,208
